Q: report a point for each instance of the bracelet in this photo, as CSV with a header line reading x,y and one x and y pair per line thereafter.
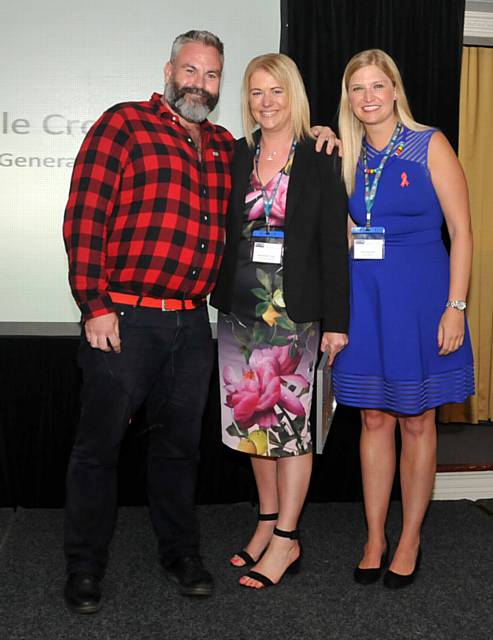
x,y
460,305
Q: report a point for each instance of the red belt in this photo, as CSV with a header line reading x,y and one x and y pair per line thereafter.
x,y
166,304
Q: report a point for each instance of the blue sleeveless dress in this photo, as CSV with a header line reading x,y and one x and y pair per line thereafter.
x,y
392,361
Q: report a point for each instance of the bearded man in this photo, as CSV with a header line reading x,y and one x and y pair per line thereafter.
x,y
144,232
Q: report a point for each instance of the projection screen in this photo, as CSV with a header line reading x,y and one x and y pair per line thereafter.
x,y
63,63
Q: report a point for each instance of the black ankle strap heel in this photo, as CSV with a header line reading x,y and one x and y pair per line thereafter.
x,y
292,535
268,516
243,554
293,568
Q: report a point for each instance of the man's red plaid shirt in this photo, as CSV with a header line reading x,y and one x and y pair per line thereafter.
x,y
145,215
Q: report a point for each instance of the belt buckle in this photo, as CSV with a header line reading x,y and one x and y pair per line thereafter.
x,y
163,305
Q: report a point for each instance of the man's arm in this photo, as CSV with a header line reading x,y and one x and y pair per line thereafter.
x,y
93,192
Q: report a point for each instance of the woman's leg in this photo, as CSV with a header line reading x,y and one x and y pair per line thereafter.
x,y
293,478
377,453
418,467
265,472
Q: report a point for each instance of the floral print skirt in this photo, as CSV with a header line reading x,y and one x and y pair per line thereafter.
x,y
266,364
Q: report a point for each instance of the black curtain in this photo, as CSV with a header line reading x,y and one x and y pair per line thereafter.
x,y
39,410
423,36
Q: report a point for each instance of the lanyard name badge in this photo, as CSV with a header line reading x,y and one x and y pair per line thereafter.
x,y
268,244
368,241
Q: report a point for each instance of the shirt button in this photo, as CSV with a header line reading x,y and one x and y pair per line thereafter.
x,y
204,191
205,218
202,245
189,139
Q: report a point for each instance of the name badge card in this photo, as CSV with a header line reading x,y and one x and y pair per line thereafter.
x,y
267,246
368,243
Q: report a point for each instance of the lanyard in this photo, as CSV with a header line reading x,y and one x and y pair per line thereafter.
x,y
269,201
370,193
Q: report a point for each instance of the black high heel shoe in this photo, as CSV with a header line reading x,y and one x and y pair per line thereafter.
x,y
370,576
243,554
393,580
293,568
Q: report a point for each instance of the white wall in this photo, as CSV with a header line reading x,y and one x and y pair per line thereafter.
x,y
63,63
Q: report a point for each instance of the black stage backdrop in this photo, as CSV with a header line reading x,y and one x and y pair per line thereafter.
x,y
423,36
39,408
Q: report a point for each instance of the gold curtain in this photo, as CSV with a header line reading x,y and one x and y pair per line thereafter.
x,y
475,154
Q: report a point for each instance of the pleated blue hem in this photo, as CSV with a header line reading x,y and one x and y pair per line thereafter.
x,y
408,397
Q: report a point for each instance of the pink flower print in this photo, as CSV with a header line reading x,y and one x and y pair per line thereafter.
x,y
287,362
254,395
257,209
278,210
263,385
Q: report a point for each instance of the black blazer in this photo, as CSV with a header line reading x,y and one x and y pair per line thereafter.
x,y
315,263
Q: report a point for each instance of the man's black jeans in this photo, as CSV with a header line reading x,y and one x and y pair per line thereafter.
x,y
166,360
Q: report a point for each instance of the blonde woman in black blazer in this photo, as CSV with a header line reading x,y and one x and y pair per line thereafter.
x,y
284,276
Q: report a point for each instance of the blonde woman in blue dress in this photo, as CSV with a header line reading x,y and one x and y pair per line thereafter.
x,y
409,349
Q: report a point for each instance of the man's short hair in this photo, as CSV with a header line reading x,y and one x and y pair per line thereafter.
x,y
206,38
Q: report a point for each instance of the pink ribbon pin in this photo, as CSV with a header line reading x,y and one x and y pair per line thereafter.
x,y
404,180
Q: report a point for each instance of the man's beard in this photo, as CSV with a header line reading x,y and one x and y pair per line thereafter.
x,y
190,110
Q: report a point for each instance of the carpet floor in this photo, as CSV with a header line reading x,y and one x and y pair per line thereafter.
x,y
452,597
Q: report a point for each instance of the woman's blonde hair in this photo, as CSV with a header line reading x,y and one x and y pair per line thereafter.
x,y
285,71
351,131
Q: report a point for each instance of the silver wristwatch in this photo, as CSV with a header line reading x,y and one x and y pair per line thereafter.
x,y
460,305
